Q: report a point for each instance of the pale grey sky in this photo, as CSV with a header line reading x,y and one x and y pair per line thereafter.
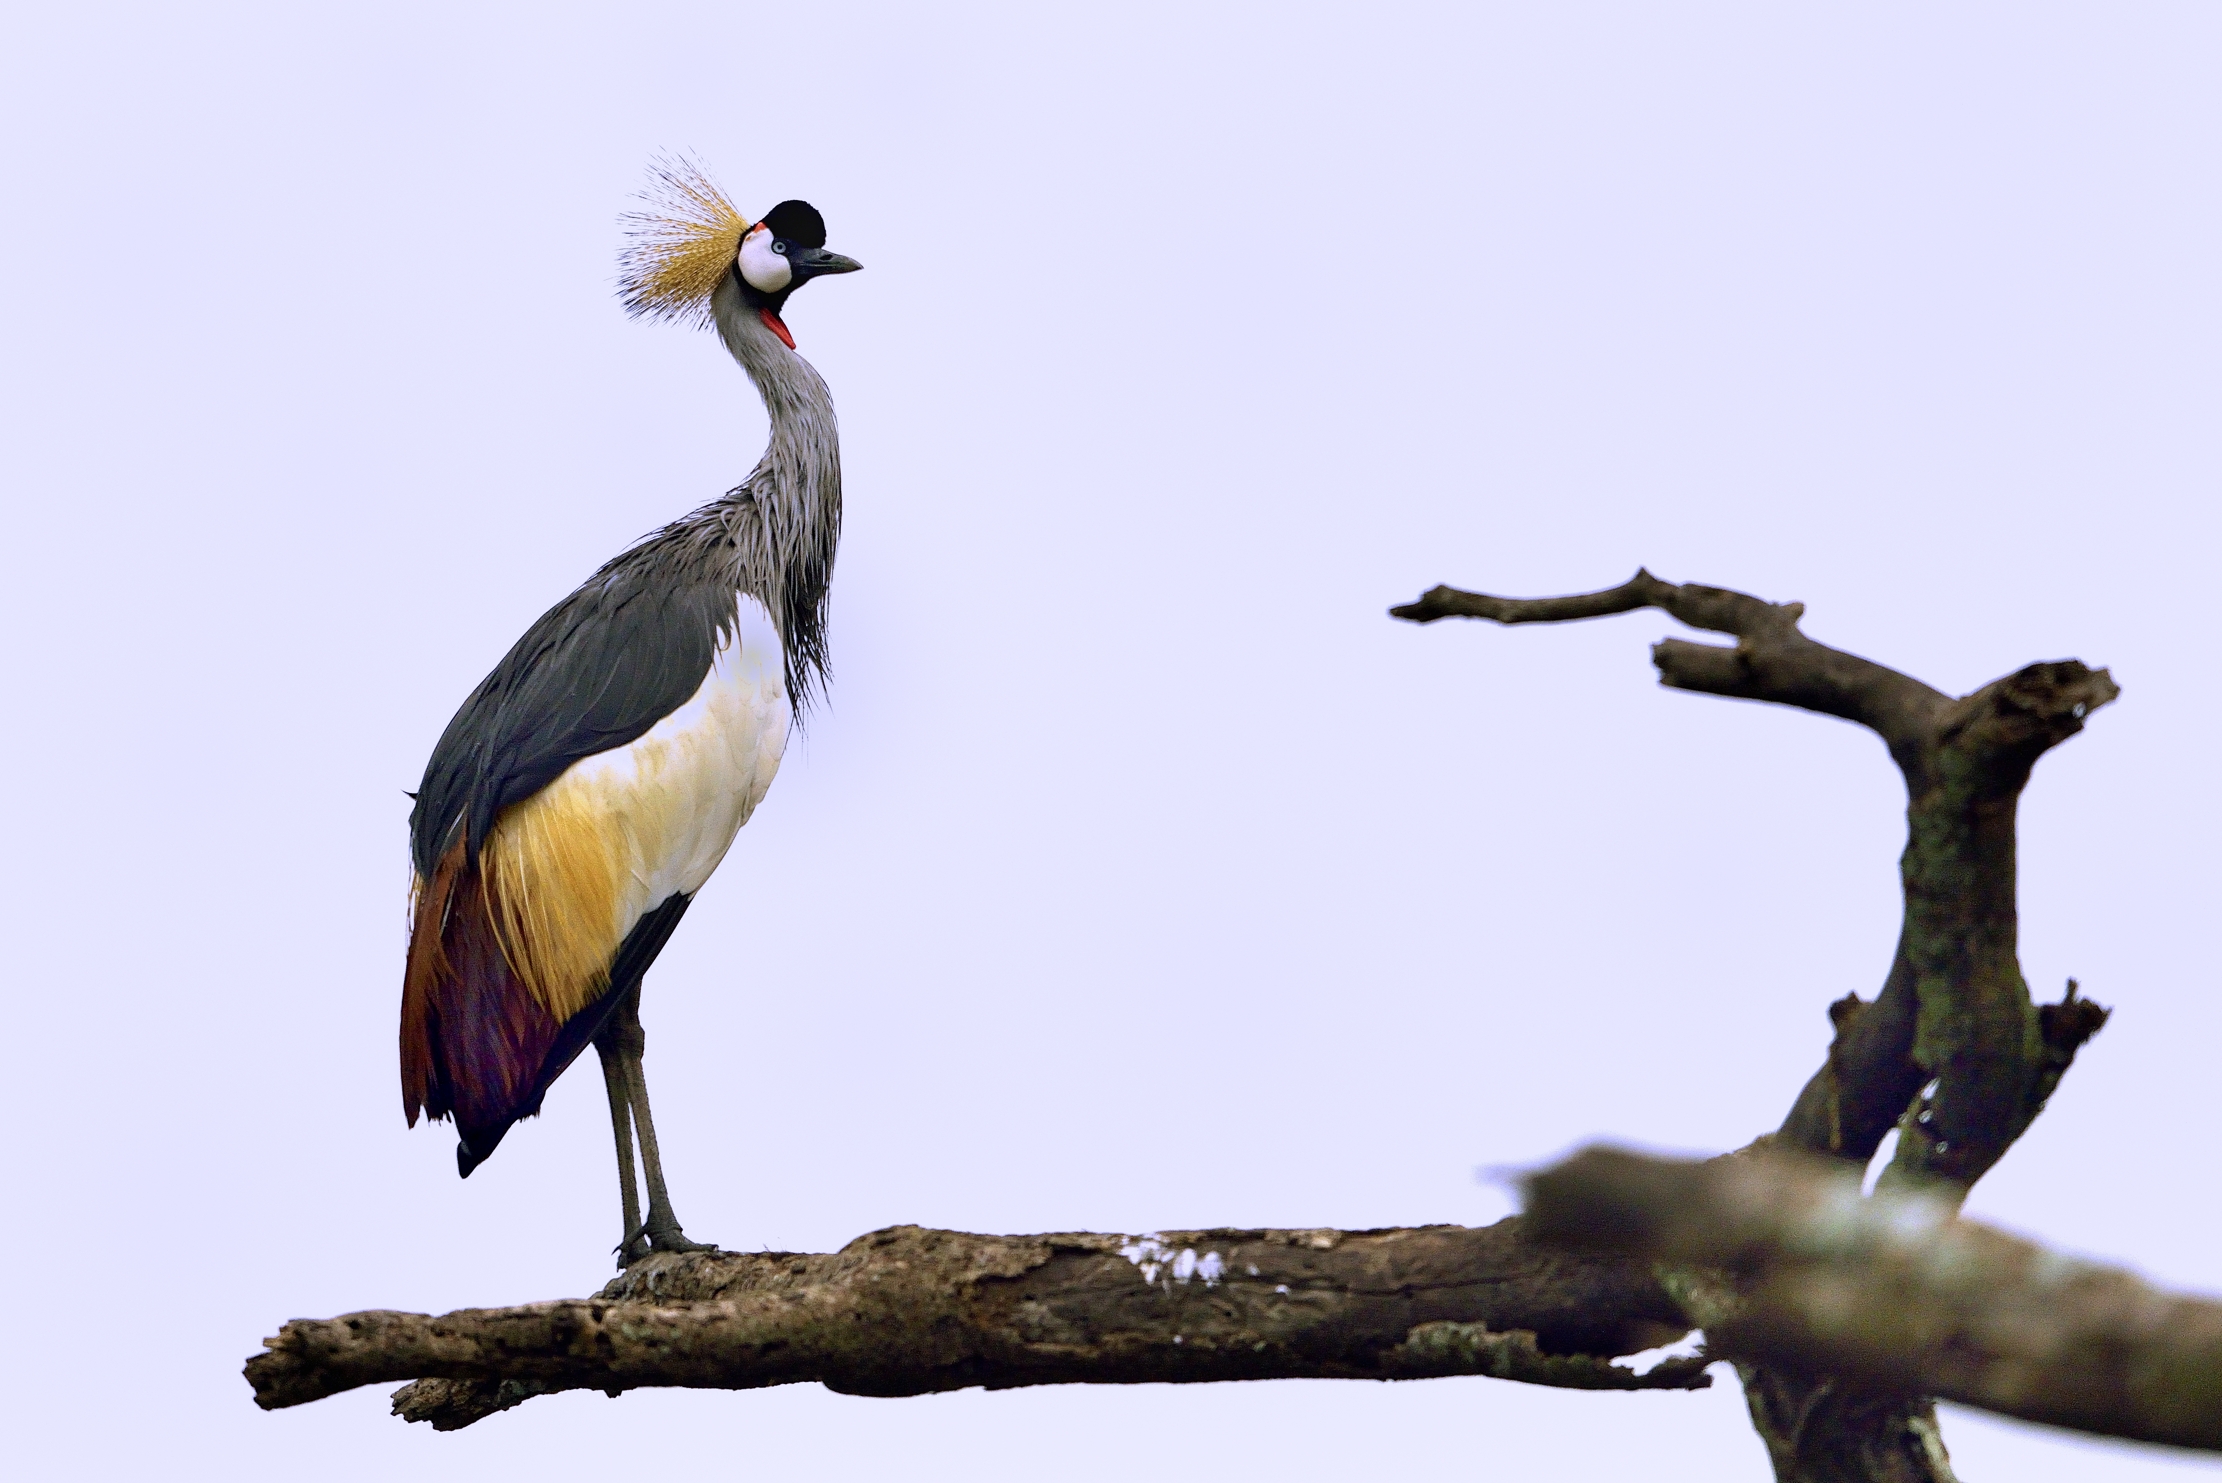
x,y
1141,873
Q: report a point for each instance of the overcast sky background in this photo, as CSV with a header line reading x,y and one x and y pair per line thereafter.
x,y
1141,873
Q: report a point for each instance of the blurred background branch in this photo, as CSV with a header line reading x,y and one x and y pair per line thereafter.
x,y
1894,1293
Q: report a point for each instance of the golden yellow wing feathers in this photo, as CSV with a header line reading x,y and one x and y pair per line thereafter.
x,y
556,867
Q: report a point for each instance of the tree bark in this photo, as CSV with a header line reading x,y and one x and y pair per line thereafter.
x,y
907,1311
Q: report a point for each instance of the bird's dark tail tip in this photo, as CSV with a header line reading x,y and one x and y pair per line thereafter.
x,y
476,1150
476,1146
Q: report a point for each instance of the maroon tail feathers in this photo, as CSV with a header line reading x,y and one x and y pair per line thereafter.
x,y
475,1043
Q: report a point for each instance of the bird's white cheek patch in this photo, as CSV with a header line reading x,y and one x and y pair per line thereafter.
x,y
765,270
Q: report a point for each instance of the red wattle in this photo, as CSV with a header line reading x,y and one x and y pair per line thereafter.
x,y
771,322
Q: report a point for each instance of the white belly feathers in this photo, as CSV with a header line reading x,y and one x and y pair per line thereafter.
x,y
683,791
577,864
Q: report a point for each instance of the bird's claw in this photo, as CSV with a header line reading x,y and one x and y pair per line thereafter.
x,y
643,1241
676,1240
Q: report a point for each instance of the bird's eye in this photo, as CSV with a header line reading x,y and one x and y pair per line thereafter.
x,y
780,248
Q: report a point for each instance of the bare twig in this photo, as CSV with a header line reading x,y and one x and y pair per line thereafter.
x,y
907,1311
1895,1295
1771,660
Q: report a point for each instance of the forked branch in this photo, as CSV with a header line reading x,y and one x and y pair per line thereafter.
x,y
1952,1053
1953,1009
1771,659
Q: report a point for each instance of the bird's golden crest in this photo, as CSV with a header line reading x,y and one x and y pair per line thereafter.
x,y
680,247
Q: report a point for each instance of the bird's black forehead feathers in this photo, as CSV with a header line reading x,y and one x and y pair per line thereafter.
x,y
797,222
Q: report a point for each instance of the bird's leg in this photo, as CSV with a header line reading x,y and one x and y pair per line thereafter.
x,y
661,1226
631,1246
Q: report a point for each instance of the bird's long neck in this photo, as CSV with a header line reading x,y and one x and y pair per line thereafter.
x,y
785,518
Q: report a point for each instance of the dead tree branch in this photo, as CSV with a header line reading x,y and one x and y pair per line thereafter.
x,y
908,1311
1771,660
1953,1008
1953,1052
1897,1295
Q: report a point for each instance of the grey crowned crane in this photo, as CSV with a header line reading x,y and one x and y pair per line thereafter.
x,y
591,783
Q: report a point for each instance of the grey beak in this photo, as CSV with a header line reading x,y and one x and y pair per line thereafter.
x,y
816,262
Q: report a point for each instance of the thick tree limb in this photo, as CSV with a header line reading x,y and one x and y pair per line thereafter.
x,y
1895,1295
907,1311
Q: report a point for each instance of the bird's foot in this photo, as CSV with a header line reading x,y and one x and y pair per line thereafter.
x,y
671,1238
659,1236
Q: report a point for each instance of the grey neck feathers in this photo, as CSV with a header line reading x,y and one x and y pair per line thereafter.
x,y
784,519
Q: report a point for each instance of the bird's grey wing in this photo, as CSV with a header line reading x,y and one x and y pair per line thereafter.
x,y
597,671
